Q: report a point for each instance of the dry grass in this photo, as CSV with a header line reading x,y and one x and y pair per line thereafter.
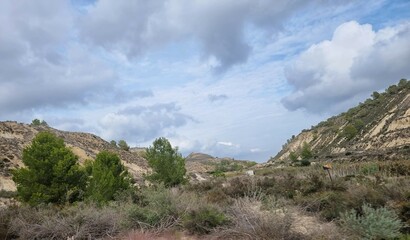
x,y
82,222
249,222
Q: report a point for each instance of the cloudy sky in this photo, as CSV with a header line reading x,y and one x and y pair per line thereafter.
x,y
225,77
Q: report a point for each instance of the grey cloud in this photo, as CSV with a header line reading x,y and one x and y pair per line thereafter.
x,y
142,123
43,84
136,26
333,75
37,67
216,98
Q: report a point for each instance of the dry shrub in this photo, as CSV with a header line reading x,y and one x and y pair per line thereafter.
x,y
218,196
6,214
155,210
249,222
147,235
204,220
328,204
79,222
241,187
357,195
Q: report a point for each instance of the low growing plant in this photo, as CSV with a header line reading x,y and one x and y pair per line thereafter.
x,y
380,223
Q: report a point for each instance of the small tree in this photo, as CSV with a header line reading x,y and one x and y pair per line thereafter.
x,y
107,177
166,162
293,156
35,122
51,175
350,131
306,152
123,145
113,143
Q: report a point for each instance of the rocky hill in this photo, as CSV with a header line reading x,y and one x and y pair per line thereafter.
x,y
379,129
15,136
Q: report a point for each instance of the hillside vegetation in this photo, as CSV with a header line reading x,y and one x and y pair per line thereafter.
x,y
349,199
14,137
378,128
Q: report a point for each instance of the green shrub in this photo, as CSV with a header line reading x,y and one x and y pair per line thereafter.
x,y
370,169
328,204
380,223
304,163
314,183
203,220
154,207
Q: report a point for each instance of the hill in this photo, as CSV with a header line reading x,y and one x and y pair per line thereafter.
x,y
378,129
15,136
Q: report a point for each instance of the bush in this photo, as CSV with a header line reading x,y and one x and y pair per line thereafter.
x,y
249,222
378,223
329,204
203,220
304,163
77,222
155,209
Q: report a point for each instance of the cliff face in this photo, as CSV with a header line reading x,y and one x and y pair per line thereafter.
x,y
379,129
15,136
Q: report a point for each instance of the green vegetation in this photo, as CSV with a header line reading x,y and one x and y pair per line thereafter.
x,y
343,131
51,175
362,200
167,163
113,143
373,223
349,132
123,145
264,206
108,177
37,122
293,156
203,220
306,152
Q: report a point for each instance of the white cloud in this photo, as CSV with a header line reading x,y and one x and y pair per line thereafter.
x,y
229,144
356,61
255,150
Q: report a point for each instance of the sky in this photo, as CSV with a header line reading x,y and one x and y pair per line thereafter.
x,y
232,78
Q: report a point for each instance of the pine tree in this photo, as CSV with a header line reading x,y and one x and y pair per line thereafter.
x,y
51,173
166,162
108,177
